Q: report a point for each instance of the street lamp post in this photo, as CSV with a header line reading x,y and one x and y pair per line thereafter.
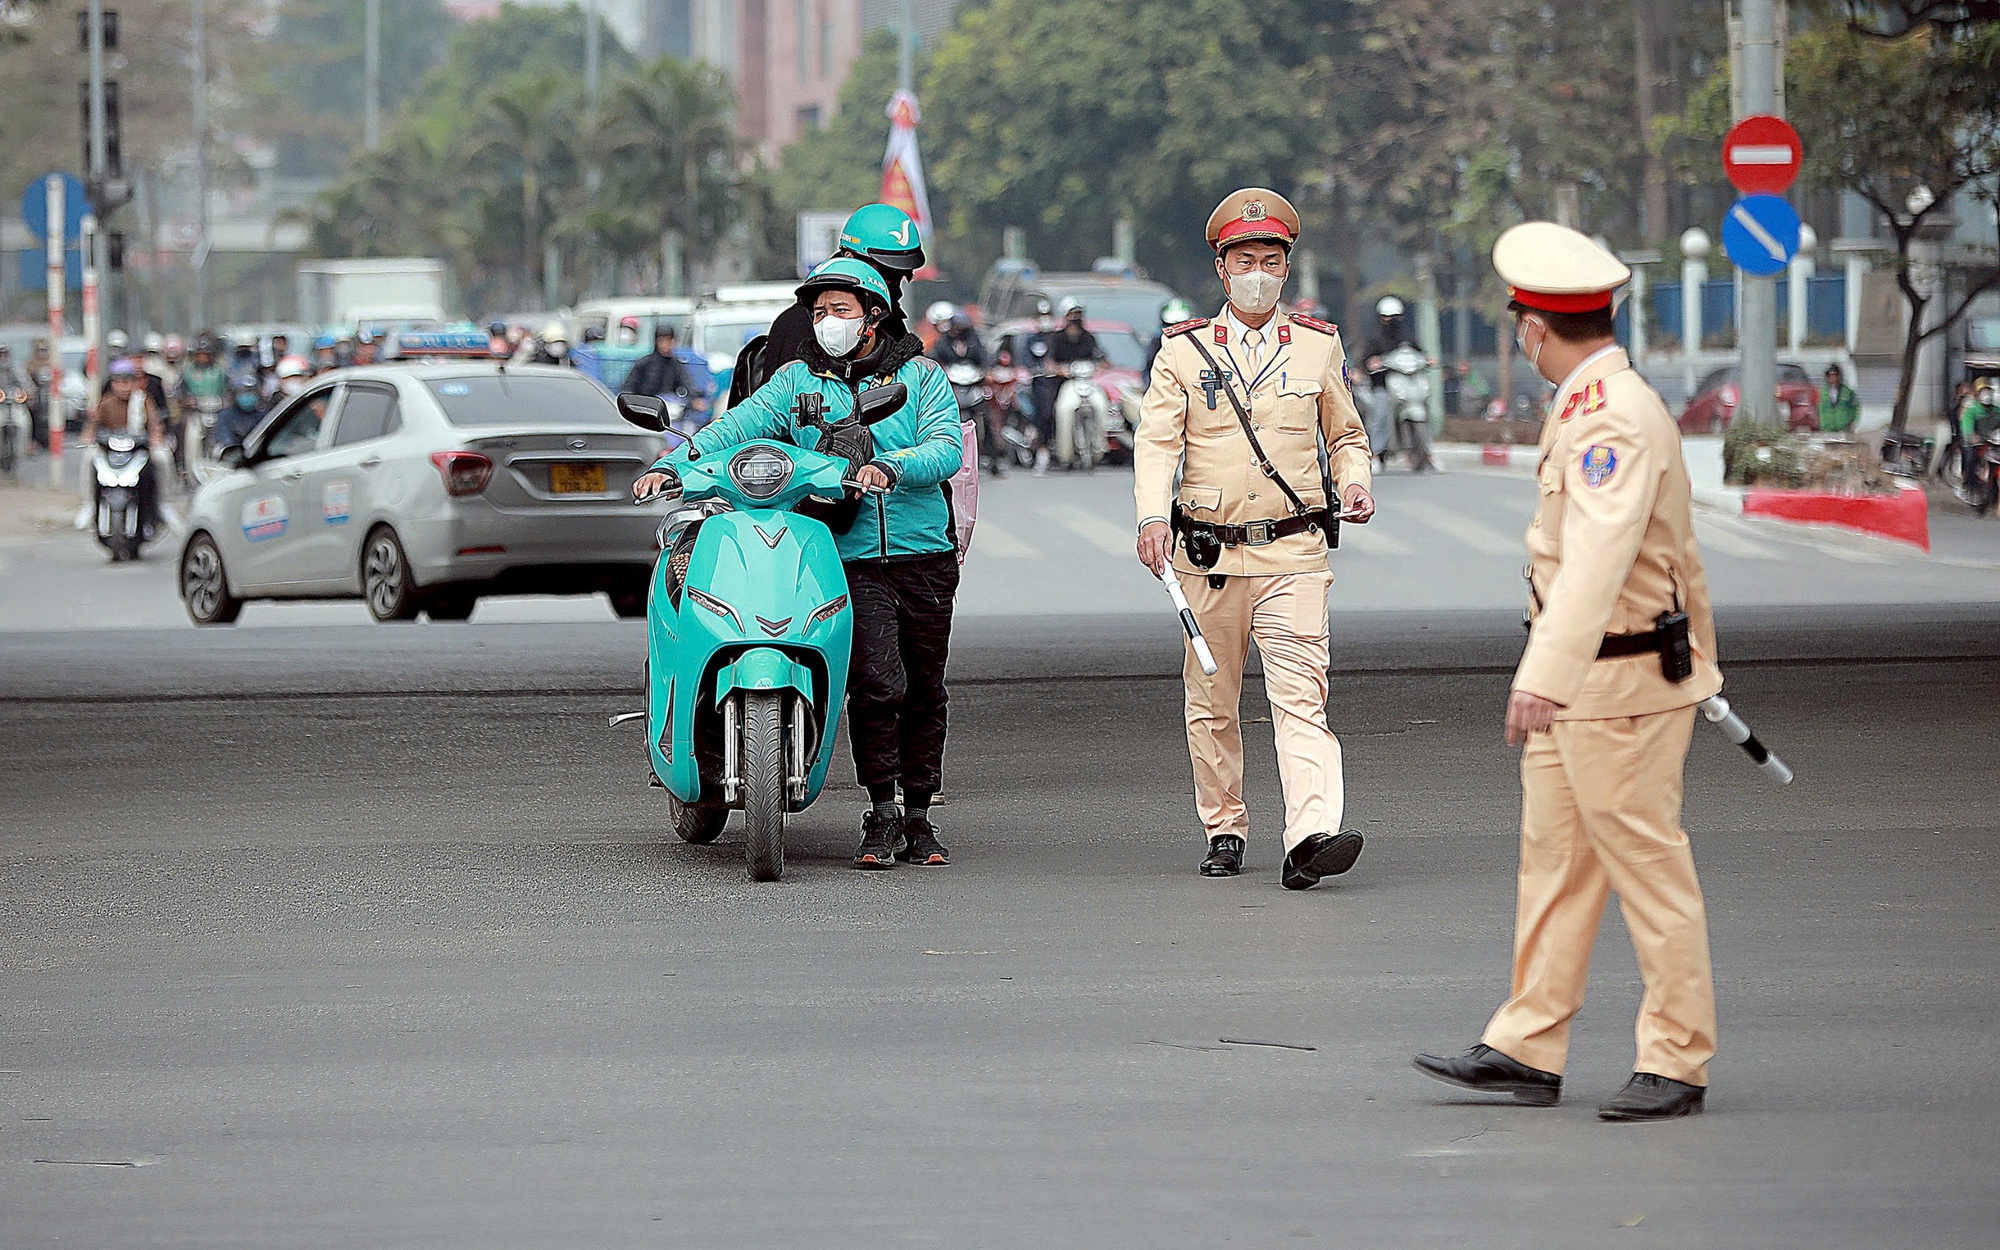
x,y
1694,276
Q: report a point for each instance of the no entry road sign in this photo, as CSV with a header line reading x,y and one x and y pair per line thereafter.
x,y
1761,234
1761,155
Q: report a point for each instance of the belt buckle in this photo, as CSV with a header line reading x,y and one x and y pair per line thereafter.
x,y
1260,533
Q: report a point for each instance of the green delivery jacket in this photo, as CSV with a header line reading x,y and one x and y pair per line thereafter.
x,y
920,445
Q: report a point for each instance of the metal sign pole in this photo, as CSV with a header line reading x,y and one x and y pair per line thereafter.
x,y
1757,330
58,221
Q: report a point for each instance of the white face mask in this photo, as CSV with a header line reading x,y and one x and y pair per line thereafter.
x,y
1534,357
838,335
1256,292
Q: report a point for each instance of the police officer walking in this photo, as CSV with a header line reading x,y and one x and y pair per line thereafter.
x,y
1241,404
1621,648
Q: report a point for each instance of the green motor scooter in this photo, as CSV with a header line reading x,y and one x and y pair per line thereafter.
x,y
749,630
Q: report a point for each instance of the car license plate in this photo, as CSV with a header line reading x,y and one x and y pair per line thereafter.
x,y
576,479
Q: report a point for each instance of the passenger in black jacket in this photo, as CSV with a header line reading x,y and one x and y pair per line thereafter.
x,y
662,373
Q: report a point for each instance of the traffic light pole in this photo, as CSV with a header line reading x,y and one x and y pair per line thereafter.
x,y
1757,332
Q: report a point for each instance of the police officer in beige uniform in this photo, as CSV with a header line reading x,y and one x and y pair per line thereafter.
x,y
1240,404
1620,650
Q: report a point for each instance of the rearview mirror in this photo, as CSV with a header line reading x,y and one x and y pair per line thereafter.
x,y
878,402
648,412
231,456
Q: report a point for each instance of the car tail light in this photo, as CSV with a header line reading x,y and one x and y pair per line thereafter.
x,y
464,472
1729,395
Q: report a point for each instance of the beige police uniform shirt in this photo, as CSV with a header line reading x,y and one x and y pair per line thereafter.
x,y
1611,544
1296,396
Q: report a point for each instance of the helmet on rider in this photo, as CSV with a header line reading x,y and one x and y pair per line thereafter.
x,y
117,341
1175,311
175,347
553,332
1071,310
293,367
845,274
1388,307
940,313
124,369
155,343
886,235
960,324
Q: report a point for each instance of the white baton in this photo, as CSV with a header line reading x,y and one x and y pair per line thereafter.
x,y
1202,654
1716,711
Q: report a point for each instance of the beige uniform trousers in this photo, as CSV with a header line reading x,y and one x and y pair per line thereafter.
x,y
1601,811
1286,614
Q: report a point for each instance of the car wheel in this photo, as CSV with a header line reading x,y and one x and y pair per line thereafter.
x,y
385,577
450,606
204,586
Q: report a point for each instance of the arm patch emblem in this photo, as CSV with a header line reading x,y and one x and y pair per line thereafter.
x,y
1599,463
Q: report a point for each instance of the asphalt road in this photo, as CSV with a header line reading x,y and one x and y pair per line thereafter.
x,y
351,936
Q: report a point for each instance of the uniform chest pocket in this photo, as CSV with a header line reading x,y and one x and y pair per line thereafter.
x,y
1550,475
1298,404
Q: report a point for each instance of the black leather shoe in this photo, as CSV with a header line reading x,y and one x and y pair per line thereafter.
x,y
1321,855
1490,1072
1650,1097
1225,856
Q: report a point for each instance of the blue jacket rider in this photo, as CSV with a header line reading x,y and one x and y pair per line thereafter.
x,y
897,550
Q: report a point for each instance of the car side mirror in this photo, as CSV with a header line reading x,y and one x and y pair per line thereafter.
x,y
648,412
877,403
231,456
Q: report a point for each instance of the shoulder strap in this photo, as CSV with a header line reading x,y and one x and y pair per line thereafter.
x,y
1256,448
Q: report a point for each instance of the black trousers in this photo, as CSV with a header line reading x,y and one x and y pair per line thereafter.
x,y
895,689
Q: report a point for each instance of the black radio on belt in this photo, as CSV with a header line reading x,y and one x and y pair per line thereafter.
x,y
1676,651
1204,545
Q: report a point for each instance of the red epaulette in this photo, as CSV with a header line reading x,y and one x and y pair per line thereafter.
x,y
1314,323
1185,327
1585,401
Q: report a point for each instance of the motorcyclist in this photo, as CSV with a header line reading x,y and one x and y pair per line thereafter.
x,y
41,369
1172,313
552,346
881,235
939,315
367,347
1978,417
1038,358
244,370
127,408
661,372
15,389
901,563
1392,330
957,344
289,377
243,408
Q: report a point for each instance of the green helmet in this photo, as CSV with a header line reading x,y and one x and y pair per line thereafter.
x,y
886,235
846,274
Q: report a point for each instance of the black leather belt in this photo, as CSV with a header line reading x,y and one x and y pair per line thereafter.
x,y
1616,645
1258,533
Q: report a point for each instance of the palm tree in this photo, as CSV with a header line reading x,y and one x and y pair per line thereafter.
x,y
672,151
527,124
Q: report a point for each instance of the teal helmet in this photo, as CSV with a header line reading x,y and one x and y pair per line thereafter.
x,y
846,274
886,235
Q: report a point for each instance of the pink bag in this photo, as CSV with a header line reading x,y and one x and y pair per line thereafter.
x,y
965,490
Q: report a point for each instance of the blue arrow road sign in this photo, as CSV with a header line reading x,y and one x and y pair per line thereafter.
x,y
35,207
1761,234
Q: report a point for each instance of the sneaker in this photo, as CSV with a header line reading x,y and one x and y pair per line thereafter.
x,y
921,845
1041,462
879,835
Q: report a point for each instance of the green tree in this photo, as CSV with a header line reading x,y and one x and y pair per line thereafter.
x,y
309,96
672,157
524,139
1910,126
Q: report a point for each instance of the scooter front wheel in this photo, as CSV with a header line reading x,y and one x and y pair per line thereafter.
x,y
763,764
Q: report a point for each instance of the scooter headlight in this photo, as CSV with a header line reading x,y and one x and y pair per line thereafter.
x,y
716,606
760,472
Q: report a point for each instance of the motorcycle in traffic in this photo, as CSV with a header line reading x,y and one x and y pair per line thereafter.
x,y
1409,393
749,630
120,465
1081,408
1982,485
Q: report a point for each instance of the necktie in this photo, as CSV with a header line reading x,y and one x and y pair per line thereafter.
x,y
1253,344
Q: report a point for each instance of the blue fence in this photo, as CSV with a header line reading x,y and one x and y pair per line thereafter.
x,y
1826,310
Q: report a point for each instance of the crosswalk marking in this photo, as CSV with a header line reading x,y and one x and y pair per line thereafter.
x,y
1107,536
989,538
1713,534
1474,534
1373,540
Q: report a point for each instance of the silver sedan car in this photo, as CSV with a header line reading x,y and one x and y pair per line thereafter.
x,y
420,488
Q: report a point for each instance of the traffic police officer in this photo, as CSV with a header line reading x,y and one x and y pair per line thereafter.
x,y
1620,650
1240,403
